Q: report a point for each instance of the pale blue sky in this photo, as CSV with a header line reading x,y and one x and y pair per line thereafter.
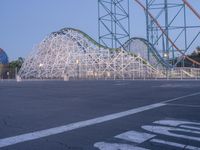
x,y
24,23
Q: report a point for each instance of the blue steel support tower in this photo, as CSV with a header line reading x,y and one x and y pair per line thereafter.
x,y
113,22
173,17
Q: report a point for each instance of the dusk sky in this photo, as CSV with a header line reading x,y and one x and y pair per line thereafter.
x,y
24,23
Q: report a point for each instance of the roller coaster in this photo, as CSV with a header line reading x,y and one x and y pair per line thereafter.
x,y
72,54
164,32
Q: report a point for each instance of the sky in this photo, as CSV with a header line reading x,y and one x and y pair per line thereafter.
x,y
25,23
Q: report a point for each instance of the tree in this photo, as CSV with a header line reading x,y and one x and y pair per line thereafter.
x,y
198,50
16,63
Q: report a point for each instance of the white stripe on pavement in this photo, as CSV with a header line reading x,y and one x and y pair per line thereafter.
x,y
189,147
116,146
72,126
52,131
173,131
181,97
134,136
190,127
175,123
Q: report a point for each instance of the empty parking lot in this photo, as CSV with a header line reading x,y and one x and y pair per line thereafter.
x,y
104,115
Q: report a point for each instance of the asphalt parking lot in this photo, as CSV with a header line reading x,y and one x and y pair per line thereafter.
x,y
100,115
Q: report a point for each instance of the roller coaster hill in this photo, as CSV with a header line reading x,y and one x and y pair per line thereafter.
x,y
72,54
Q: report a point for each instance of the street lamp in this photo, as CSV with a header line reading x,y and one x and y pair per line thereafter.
x,y
77,63
108,74
41,65
165,55
40,71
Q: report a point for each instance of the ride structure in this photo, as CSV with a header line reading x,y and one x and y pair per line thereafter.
x,y
72,54
169,29
113,22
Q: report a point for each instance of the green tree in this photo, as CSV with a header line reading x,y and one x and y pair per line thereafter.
x,y
198,50
16,63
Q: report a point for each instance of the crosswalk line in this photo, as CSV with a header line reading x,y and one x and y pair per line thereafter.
x,y
116,146
134,136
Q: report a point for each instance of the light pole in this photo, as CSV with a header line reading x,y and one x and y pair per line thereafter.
x,y
77,63
40,66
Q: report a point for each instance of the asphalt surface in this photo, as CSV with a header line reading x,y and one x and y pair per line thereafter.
x,y
32,106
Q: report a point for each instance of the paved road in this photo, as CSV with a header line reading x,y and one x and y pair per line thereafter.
x,y
104,115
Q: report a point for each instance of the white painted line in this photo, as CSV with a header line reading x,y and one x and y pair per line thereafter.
x,y
52,131
175,144
190,127
181,97
182,124
175,123
119,84
116,146
182,105
173,131
134,136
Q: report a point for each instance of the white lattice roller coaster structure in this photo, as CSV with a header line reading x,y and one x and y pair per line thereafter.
x,y
71,54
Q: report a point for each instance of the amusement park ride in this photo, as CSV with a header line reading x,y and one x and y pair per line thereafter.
x,y
71,54
167,26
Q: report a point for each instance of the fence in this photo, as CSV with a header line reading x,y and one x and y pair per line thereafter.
x,y
145,73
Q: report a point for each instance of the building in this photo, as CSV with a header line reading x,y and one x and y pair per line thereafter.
x,y
3,63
